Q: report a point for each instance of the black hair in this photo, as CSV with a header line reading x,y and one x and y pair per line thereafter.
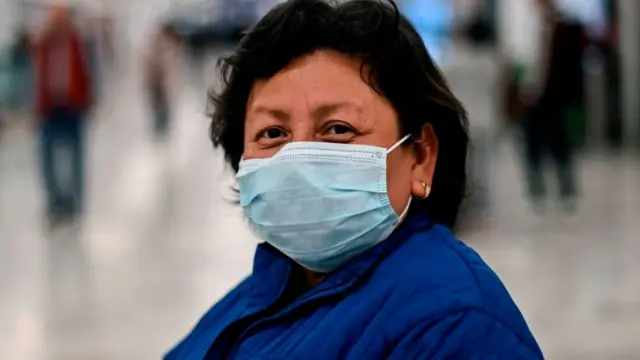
x,y
398,67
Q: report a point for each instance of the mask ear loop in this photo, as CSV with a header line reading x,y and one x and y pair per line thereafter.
x,y
427,187
397,144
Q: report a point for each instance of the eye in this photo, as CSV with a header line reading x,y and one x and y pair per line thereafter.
x,y
272,133
339,129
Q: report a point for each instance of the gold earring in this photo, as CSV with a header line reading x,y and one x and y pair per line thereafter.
x,y
427,190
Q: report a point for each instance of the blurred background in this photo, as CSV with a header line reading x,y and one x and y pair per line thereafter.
x,y
118,226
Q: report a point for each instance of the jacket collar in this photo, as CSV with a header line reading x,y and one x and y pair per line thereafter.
x,y
272,269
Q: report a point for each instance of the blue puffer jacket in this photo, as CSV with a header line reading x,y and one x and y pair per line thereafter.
x,y
421,294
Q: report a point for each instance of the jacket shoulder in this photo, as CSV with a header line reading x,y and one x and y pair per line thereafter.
x,y
434,263
469,335
441,275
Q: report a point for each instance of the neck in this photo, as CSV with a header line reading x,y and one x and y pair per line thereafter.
x,y
312,278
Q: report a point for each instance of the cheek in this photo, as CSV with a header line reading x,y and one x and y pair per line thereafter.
x,y
399,180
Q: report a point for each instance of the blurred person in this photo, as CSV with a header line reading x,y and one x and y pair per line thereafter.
x,y
63,99
5,91
350,152
15,78
609,45
21,67
159,64
475,22
557,90
108,41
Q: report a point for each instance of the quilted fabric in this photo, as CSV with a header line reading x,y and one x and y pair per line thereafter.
x,y
421,294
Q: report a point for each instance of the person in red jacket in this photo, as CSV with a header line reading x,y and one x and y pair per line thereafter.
x,y
63,96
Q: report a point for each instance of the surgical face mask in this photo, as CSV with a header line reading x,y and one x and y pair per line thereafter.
x,y
320,204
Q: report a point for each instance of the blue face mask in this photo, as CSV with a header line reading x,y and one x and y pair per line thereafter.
x,y
320,204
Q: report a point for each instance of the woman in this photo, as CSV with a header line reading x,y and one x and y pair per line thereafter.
x,y
350,157
159,64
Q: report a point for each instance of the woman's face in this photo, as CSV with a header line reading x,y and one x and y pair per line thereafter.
x,y
322,97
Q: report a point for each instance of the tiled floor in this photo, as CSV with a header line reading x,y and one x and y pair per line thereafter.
x,y
159,245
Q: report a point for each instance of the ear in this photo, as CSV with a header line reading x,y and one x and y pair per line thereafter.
x,y
426,155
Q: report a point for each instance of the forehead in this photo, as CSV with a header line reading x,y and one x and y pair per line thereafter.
x,y
319,77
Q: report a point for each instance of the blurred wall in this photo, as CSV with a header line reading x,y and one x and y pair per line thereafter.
x,y
629,15
8,22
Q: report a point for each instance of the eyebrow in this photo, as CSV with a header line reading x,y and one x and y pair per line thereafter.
x,y
326,109
320,111
276,113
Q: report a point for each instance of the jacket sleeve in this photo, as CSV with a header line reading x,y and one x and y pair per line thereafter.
x,y
469,335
